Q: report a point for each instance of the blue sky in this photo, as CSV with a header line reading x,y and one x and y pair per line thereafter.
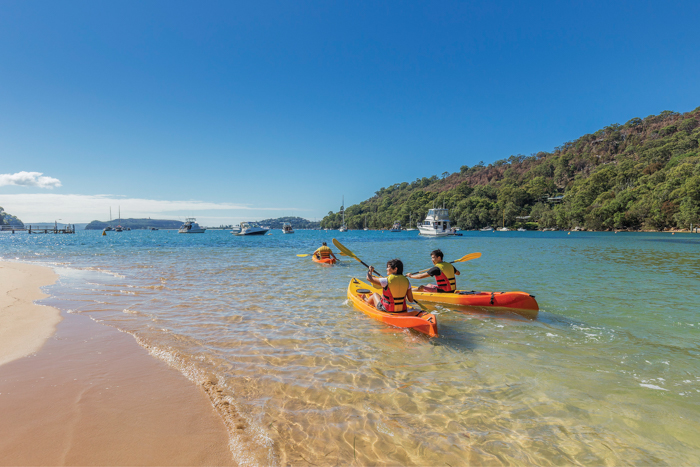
x,y
231,111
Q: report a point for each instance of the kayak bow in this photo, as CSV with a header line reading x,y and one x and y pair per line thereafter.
x,y
418,320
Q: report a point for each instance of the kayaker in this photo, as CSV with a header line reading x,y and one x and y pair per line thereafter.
x,y
396,288
444,274
323,252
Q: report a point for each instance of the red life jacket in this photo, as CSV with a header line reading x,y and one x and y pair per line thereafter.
x,y
446,281
394,294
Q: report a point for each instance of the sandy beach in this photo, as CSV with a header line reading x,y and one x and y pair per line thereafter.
x,y
75,392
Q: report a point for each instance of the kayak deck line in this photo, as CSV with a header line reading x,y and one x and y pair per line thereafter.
x,y
418,320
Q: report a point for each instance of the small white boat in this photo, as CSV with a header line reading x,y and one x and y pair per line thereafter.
x,y
250,228
436,224
287,228
486,229
503,229
411,229
190,226
343,228
396,227
118,228
520,229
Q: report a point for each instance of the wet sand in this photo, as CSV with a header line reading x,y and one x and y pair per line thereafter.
x,y
91,395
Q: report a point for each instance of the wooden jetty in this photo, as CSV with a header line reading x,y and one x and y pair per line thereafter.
x,y
68,229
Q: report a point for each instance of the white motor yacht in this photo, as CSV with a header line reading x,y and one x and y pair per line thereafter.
x,y
190,226
396,227
287,228
486,229
250,228
436,224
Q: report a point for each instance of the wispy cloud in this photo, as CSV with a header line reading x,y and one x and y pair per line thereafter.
x,y
35,179
42,207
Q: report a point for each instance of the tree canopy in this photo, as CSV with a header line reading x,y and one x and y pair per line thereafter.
x,y
644,174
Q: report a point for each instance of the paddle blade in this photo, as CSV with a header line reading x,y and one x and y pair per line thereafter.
x,y
344,250
303,256
468,257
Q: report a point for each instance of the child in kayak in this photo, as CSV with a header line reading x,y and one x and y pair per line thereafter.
x,y
444,274
396,289
323,252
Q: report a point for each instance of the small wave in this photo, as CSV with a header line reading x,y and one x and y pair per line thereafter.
x,y
652,386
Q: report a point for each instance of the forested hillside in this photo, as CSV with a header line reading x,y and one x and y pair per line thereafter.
x,y
9,219
644,174
297,223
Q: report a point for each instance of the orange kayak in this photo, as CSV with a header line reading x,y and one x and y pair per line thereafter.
x,y
416,319
328,261
521,303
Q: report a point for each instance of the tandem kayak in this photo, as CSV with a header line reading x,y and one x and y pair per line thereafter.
x,y
416,319
328,261
521,303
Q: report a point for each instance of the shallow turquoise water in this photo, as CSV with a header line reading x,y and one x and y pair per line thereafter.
x,y
607,374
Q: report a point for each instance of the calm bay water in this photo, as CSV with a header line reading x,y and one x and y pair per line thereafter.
x,y
608,374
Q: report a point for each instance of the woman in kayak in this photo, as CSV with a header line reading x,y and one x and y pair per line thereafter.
x,y
444,274
396,288
323,252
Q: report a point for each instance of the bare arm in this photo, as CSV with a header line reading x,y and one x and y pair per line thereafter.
x,y
409,295
371,278
422,275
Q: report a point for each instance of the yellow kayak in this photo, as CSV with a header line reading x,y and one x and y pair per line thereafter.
x,y
416,319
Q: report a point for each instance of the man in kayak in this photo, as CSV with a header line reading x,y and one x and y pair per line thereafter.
x,y
444,274
396,288
323,252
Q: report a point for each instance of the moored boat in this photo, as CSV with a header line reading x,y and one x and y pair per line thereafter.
x,y
396,227
250,228
287,228
190,226
343,228
416,319
436,224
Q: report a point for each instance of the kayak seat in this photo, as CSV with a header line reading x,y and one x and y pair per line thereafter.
x,y
464,292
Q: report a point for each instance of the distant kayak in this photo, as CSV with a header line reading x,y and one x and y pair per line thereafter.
x,y
416,319
521,303
328,261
